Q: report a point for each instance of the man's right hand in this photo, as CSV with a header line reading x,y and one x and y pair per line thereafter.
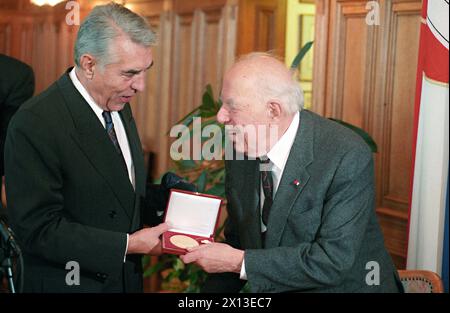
x,y
146,240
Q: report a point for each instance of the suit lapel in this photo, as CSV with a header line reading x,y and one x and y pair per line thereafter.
x,y
135,148
138,161
250,204
300,156
95,143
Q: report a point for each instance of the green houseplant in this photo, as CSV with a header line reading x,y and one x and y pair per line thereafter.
x,y
209,176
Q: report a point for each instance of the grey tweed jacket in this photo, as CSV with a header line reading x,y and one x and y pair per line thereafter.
x,y
322,234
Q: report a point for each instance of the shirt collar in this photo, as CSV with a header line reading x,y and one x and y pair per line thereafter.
x,y
85,94
279,153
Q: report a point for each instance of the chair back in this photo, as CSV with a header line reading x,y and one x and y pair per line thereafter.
x,y
420,281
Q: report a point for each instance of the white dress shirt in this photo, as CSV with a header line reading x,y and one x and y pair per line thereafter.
x,y
278,157
117,121
118,127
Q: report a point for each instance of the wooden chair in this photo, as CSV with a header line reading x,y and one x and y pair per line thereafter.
x,y
420,281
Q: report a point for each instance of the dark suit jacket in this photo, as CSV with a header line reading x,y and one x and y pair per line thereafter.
x,y
69,197
16,86
320,234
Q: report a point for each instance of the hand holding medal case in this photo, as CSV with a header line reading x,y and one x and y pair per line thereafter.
x,y
192,217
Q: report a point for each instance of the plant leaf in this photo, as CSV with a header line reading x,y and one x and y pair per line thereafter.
x,y
208,99
218,175
179,265
145,260
208,112
211,175
219,230
188,121
217,190
218,104
298,58
186,164
183,120
153,269
201,182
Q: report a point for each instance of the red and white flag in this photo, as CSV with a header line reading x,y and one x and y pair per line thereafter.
x,y
431,141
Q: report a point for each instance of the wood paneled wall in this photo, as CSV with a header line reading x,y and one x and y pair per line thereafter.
x,y
262,26
39,38
196,43
369,80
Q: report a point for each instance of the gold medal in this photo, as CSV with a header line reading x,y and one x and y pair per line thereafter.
x,y
183,241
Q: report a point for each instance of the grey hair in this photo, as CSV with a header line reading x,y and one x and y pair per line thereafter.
x,y
270,86
106,22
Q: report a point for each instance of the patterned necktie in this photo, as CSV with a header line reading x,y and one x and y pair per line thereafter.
x,y
112,135
267,185
110,130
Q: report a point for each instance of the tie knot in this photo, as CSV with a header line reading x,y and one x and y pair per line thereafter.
x,y
264,164
107,117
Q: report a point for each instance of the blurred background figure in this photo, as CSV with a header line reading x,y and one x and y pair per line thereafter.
x,y
16,86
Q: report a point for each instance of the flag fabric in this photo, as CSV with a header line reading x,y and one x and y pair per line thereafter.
x,y
431,141
445,253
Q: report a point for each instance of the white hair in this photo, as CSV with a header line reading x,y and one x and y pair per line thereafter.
x,y
106,22
279,84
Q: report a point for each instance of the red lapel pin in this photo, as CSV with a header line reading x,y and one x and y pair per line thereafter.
x,y
296,182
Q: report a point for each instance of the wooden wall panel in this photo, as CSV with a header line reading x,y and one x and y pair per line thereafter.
x,y
352,106
396,123
322,44
183,65
210,41
26,42
196,42
158,107
262,26
369,80
400,101
350,70
5,38
265,34
43,41
394,229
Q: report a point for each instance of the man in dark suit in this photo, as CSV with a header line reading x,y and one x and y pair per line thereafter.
x,y
74,166
16,86
300,214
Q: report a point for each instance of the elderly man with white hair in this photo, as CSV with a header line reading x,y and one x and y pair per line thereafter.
x,y
301,212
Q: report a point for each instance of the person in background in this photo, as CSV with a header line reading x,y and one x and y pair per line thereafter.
x,y
74,166
301,214
16,86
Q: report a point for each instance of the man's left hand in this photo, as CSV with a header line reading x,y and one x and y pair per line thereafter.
x,y
215,258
